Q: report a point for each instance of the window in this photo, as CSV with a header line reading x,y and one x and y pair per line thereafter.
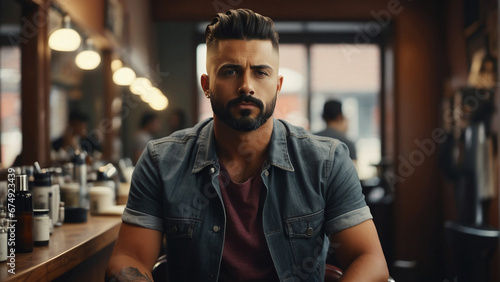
x,y
10,82
10,103
354,79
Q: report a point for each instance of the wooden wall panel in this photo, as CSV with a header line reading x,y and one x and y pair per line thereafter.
x,y
35,84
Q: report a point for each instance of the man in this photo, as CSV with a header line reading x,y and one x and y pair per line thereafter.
x,y
245,197
148,127
336,125
76,135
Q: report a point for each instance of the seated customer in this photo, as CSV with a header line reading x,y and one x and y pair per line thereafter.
x,y
76,136
244,196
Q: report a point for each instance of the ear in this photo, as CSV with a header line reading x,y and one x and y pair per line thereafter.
x,y
205,82
279,84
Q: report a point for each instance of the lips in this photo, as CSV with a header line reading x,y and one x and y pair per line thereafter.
x,y
246,102
246,105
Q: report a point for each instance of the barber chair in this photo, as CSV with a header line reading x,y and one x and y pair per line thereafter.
x,y
159,271
473,250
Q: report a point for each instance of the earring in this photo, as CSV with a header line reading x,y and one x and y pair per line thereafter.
x,y
207,94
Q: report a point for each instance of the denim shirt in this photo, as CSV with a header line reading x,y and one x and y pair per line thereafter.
x,y
311,190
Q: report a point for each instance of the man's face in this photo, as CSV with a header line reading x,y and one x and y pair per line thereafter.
x,y
243,82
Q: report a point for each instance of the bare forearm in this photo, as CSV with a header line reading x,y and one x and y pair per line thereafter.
x,y
127,270
366,268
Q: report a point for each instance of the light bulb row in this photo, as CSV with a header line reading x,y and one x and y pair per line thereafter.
x,y
66,39
143,88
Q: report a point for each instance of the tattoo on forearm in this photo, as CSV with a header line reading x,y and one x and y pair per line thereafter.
x,y
131,274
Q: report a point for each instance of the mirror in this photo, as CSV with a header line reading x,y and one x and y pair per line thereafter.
x,y
74,92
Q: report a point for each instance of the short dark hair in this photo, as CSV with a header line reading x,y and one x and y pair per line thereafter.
x,y
332,109
147,118
241,24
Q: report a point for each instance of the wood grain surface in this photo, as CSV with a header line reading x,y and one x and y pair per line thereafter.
x,y
70,245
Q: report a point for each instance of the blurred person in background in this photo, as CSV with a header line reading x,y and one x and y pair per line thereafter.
x,y
336,126
149,126
76,136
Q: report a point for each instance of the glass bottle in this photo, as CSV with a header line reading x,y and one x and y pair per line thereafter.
x,y
23,215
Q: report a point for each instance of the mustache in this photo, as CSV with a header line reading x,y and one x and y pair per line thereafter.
x,y
246,99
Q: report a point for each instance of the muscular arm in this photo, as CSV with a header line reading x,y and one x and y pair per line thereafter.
x,y
134,254
359,252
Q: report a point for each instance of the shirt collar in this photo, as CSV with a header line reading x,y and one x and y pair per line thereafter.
x,y
278,150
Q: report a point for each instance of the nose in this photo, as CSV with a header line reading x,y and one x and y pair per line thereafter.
x,y
246,87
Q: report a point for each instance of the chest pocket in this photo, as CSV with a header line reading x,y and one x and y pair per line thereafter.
x,y
307,241
181,228
180,243
306,226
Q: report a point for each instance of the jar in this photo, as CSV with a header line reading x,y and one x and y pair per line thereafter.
x,y
70,194
41,227
42,190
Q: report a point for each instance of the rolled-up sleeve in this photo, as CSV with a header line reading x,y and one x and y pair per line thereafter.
x,y
345,202
144,205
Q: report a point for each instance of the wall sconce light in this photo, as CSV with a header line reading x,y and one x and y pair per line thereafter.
x,y
124,76
149,94
116,64
65,39
155,98
88,59
159,102
140,85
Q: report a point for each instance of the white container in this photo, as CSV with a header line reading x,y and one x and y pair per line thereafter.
x,y
101,199
106,183
41,227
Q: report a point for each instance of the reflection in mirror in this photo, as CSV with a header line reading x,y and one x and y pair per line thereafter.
x,y
75,93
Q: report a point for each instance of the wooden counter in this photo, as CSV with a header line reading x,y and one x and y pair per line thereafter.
x,y
76,251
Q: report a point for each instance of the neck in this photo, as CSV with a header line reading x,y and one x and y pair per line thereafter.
x,y
336,125
242,153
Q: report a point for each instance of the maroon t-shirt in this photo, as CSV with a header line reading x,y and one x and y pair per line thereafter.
x,y
245,256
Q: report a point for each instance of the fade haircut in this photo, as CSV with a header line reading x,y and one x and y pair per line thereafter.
x,y
241,24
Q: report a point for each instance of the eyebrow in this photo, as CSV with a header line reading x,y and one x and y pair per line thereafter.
x,y
236,66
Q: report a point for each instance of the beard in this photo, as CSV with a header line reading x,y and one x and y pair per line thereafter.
x,y
245,122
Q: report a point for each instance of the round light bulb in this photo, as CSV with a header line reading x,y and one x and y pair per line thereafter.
x,y
149,94
159,103
116,64
88,60
65,39
140,85
124,76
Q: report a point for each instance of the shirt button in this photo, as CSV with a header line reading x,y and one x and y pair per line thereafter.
x,y
216,228
309,231
266,173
